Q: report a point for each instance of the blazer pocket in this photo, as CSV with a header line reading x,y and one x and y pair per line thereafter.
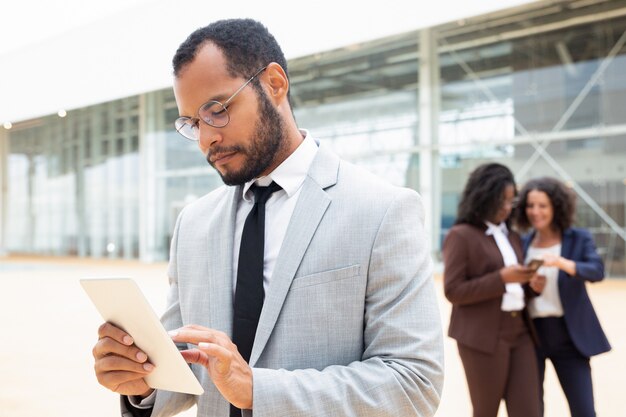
x,y
325,277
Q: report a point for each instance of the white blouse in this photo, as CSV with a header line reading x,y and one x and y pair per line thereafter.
x,y
548,304
513,298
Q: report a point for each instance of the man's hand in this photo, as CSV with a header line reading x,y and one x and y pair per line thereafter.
x,y
120,366
228,370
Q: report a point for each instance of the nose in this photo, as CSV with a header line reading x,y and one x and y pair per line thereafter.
x,y
532,212
208,136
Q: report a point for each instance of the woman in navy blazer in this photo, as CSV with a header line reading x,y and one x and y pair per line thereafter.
x,y
569,330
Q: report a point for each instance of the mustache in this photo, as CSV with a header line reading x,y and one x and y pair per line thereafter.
x,y
221,150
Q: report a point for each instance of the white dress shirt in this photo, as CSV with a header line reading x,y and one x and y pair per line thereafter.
x,y
513,298
548,304
290,175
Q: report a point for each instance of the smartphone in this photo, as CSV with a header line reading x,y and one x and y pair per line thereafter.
x,y
534,264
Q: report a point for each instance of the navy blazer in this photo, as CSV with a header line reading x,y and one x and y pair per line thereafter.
x,y
580,317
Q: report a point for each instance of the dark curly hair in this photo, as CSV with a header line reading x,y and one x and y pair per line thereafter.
x,y
246,44
562,198
482,197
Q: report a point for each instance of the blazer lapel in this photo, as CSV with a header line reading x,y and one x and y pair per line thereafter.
x,y
566,249
220,266
310,208
526,241
566,244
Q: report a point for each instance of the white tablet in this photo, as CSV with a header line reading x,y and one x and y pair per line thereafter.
x,y
121,302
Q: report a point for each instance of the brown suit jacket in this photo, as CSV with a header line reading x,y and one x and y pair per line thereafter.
x,y
472,283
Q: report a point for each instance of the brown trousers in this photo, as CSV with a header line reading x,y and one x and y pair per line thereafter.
x,y
510,373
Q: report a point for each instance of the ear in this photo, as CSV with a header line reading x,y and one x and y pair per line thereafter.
x,y
277,83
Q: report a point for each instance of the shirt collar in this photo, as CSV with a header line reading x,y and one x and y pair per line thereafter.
x,y
292,172
495,228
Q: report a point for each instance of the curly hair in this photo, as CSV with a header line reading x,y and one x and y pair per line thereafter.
x,y
247,46
563,202
483,193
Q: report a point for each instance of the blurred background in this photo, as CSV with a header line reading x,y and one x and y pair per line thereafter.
x,y
93,175
92,167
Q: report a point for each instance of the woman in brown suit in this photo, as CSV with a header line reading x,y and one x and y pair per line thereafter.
x,y
488,289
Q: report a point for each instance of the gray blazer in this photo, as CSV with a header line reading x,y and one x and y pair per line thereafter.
x,y
350,324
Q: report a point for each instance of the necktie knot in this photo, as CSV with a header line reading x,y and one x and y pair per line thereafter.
x,y
262,194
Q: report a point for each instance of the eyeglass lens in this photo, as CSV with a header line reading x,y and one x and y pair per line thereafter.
x,y
214,114
187,128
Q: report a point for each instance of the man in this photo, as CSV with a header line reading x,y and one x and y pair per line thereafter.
x,y
347,323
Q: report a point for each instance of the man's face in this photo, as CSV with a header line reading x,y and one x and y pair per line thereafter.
x,y
249,145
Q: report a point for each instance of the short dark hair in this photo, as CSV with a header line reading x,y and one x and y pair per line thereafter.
x,y
246,44
483,193
563,202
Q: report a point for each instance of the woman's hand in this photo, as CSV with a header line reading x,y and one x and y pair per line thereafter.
x,y
516,273
560,262
537,283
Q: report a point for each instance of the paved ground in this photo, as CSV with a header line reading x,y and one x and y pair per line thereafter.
x,y
49,327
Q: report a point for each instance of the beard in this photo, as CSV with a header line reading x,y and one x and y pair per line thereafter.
x,y
265,146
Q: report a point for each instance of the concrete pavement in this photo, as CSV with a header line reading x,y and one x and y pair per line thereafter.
x,y
49,328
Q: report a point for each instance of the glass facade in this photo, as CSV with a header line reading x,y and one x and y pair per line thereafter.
x,y
545,103
540,88
72,183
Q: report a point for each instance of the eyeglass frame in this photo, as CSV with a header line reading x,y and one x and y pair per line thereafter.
x,y
194,121
512,203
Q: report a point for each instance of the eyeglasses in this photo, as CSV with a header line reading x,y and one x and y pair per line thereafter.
x,y
212,113
512,202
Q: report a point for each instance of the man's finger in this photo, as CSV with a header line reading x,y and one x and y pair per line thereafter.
x,y
116,379
195,356
194,336
117,363
205,351
115,333
107,346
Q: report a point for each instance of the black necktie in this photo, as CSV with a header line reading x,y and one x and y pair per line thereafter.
x,y
249,292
